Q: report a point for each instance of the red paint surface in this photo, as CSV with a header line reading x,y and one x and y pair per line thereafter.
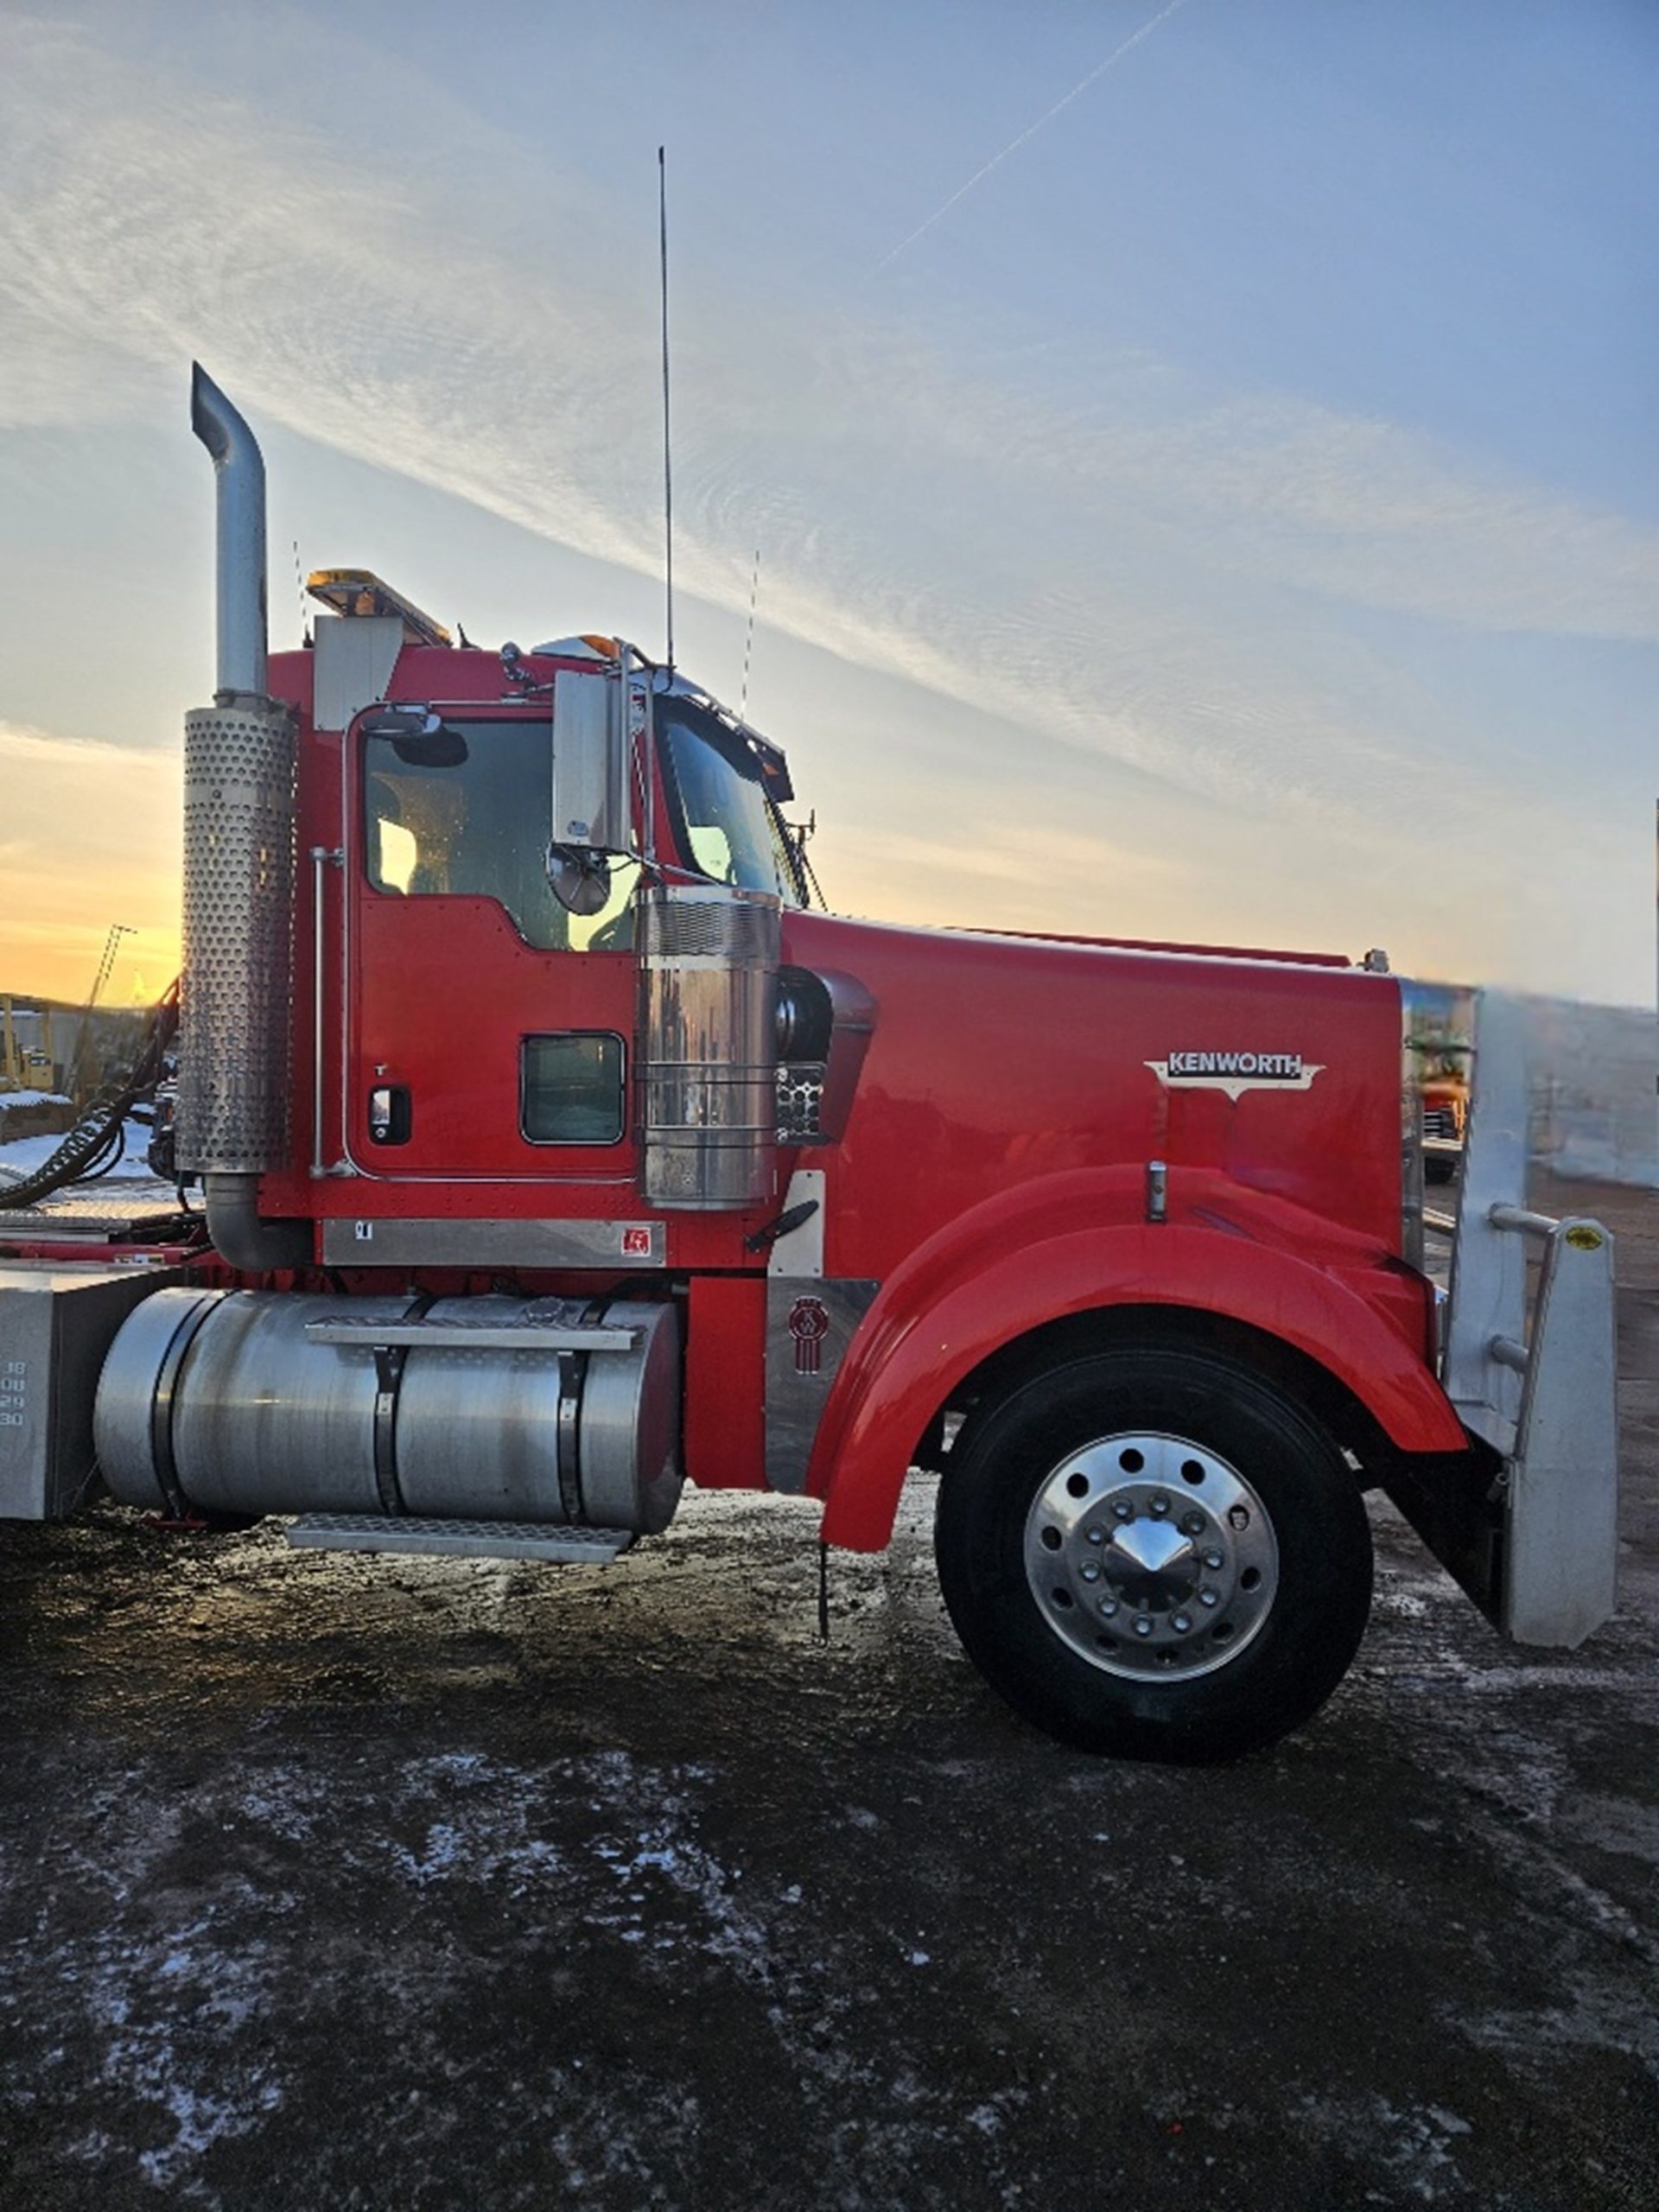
x,y
725,1382
993,1172
975,1291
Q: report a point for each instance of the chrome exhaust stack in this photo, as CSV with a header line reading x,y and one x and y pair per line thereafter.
x,y
239,814
240,548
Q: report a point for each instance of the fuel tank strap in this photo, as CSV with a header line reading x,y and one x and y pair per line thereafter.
x,y
573,1369
389,1358
161,1408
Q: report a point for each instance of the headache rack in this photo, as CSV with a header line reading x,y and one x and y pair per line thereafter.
x,y
1528,1360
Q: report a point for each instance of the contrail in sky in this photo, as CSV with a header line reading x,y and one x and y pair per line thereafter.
x,y
1031,130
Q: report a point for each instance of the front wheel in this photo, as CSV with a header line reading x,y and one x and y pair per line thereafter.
x,y
1155,1553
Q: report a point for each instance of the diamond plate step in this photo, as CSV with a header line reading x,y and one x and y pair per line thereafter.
x,y
373,1532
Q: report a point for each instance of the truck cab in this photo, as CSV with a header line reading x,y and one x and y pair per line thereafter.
x,y
555,1147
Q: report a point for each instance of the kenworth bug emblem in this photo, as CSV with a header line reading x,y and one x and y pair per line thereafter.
x,y
809,1323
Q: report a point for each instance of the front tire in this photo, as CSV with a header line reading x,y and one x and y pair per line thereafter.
x,y
1155,1553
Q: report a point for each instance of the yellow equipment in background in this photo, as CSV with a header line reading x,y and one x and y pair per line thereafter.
x,y
23,1067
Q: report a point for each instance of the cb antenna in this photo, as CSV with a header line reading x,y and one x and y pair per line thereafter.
x,y
668,465
748,643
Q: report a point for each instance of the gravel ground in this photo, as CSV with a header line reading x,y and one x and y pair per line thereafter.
x,y
347,1883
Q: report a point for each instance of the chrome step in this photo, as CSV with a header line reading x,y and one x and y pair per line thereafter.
x,y
374,1532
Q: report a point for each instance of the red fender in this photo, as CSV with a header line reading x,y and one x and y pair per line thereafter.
x,y
964,1296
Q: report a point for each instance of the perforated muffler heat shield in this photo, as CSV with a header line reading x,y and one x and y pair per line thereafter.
x,y
236,1055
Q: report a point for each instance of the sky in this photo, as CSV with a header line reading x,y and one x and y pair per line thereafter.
x,y
1201,457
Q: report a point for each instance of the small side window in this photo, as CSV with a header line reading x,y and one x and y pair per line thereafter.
x,y
571,1088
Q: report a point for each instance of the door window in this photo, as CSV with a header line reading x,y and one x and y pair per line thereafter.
x,y
467,811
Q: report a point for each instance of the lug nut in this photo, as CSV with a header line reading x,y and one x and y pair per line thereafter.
x,y
1095,1535
1212,1561
1208,1598
1123,1510
1108,1606
1143,1627
1192,1524
1091,1572
1160,1503
1181,1623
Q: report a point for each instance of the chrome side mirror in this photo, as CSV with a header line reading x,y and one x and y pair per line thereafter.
x,y
590,785
590,762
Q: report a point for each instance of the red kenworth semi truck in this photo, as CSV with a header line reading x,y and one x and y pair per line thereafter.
x,y
556,1147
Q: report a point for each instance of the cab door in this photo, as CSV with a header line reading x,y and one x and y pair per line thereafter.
x,y
489,1029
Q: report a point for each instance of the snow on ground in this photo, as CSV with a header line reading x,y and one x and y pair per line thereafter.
x,y
24,1154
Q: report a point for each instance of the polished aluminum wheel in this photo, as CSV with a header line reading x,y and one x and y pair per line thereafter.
x,y
1151,1556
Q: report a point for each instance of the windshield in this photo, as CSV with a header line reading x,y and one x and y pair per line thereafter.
x,y
729,828
469,812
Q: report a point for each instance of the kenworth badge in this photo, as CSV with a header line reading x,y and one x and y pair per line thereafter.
x,y
1236,1072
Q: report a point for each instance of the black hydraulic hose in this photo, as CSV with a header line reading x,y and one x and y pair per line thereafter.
x,y
112,1154
99,1131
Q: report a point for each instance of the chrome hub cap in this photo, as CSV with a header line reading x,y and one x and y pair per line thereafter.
x,y
1149,1555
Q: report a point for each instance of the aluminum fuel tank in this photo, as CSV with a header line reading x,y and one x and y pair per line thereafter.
x,y
589,1436
478,1409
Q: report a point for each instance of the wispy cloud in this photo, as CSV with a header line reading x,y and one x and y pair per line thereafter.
x,y
342,299
1142,573
1031,131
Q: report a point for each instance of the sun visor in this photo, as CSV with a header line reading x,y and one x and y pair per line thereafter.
x,y
353,665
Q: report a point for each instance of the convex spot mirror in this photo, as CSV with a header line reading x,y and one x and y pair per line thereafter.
x,y
580,878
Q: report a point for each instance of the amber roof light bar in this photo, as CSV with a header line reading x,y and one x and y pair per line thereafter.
x,y
360,591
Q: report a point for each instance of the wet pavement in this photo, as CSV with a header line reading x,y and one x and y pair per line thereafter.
x,y
379,1882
